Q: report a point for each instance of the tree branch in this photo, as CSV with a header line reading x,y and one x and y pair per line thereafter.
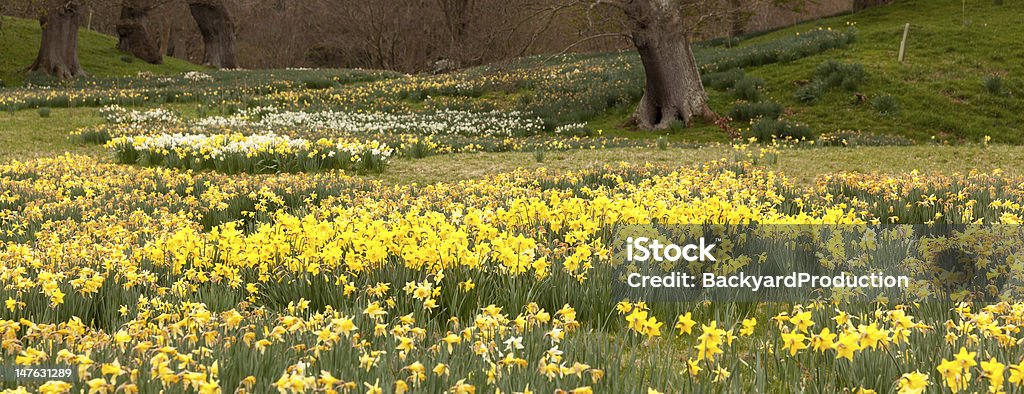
x,y
585,39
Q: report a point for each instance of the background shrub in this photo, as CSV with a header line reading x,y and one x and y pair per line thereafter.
x,y
833,74
994,85
810,92
44,112
723,80
860,138
765,130
886,105
781,50
318,83
749,88
747,111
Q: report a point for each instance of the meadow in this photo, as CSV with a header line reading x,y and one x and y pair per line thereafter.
x,y
342,231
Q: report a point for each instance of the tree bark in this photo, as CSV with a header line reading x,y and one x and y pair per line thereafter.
x,y
133,32
673,91
218,32
58,47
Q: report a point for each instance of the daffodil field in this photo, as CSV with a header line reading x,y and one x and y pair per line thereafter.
x,y
236,241
150,279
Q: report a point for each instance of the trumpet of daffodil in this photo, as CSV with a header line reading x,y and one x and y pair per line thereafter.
x,y
953,375
965,359
710,341
748,326
450,340
846,346
55,387
993,370
685,323
401,387
802,321
328,380
417,373
113,369
345,325
461,387
373,388
1017,373
825,340
693,367
913,383
794,342
871,336
640,322
721,374
374,311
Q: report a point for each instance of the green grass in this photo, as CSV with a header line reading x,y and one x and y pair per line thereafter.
x,y
940,87
19,45
25,135
801,165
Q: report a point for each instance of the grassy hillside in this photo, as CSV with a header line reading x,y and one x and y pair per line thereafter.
x,y
19,44
960,81
940,89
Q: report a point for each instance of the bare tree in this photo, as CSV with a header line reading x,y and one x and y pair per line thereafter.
x,y
457,17
133,31
218,30
58,47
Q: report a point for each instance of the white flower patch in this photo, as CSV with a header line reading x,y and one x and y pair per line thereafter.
x,y
222,147
463,123
570,128
196,76
117,114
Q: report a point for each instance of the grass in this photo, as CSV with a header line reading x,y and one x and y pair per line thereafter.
x,y
19,45
25,135
802,166
941,86
941,91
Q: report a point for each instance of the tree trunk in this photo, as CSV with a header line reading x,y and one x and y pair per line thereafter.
x,y
218,32
738,18
133,32
674,91
58,47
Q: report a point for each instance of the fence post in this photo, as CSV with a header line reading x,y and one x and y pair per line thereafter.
x,y
903,43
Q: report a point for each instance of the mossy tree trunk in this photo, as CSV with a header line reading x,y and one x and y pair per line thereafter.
x,y
673,91
133,32
58,46
218,32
